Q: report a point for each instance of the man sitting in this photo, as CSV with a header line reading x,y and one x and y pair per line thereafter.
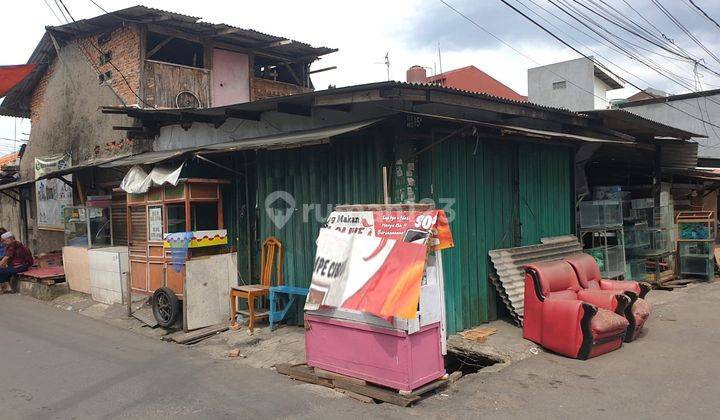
x,y
17,259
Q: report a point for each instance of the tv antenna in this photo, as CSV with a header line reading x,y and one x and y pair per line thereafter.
x,y
386,63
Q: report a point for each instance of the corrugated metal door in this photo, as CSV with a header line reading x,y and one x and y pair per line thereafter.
x,y
480,176
505,194
317,178
545,191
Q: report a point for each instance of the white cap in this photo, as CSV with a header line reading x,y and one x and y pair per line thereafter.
x,y
7,235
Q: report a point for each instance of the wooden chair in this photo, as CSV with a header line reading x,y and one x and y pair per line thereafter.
x,y
271,253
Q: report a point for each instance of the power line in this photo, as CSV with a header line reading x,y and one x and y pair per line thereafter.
x,y
99,7
629,52
574,49
53,11
682,27
57,4
600,41
704,13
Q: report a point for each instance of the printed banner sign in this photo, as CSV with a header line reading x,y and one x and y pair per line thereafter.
x,y
52,195
371,274
406,226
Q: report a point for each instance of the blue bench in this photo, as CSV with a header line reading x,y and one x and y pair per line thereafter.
x,y
275,294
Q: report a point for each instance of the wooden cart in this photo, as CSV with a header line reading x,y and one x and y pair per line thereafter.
x,y
193,206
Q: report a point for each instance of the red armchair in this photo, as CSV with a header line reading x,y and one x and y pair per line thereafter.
x,y
637,312
557,317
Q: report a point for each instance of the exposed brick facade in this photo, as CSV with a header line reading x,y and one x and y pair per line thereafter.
x,y
125,46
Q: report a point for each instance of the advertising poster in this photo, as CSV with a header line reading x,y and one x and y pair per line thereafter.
x,y
407,226
52,195
376,275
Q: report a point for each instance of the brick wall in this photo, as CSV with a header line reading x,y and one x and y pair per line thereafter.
x,y
65,115
125,46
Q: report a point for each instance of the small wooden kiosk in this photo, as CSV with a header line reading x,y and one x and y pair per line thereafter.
x,y
193,209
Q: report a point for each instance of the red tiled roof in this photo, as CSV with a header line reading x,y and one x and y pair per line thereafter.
x,y
8,159
473,79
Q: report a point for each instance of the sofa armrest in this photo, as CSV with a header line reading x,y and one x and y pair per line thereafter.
x,y
565,325
611,300
620,285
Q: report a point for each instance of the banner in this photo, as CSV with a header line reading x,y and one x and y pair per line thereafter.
x,y
367,273
52,195
406,226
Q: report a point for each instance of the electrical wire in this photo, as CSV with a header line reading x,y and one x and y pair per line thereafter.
x,y
572,48
65,18
629,52
682,27
90,41
704,13
633,55
99,7
53,11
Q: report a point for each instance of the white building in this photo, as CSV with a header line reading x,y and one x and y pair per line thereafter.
x,y
697,112
577,85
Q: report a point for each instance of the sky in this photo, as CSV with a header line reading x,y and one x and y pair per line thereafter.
x,y
426,33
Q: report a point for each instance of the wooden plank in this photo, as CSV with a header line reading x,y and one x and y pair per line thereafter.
x,y
158,46
430,387
302,373
377,393
322,373
359,397
194,335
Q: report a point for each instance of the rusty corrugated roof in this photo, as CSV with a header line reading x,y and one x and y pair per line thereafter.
x,y
509,275
17,102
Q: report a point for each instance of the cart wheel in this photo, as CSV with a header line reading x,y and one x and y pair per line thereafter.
x,y
166,306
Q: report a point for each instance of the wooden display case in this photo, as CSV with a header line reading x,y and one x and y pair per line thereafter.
x,y
193,206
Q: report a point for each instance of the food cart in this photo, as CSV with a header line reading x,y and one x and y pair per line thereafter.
x,y
169,226
376,309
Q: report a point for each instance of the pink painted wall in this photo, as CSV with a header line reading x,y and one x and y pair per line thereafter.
x,y
230,77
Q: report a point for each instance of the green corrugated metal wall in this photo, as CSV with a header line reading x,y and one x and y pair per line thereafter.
x,y
479,177
545,189
347,171
497,187
490,181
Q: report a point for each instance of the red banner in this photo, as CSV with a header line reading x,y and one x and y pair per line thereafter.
x,y
406,226
10,76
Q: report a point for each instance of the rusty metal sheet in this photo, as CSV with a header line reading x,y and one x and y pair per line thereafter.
x,y
509,276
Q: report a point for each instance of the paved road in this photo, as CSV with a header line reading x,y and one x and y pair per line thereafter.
x,y
56,364
59,364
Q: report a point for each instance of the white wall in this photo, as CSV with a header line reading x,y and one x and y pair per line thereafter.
x,y
675,114
579,85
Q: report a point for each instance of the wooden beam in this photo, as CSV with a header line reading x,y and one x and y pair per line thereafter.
x,y
322,69
243,115
157,48
292,73
294,109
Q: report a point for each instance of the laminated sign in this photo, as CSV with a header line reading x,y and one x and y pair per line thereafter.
x,y
407,226
52,195
374,261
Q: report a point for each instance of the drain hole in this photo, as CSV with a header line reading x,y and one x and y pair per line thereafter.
x,y
467,362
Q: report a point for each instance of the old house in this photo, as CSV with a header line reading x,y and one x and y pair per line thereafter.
x,y
136,57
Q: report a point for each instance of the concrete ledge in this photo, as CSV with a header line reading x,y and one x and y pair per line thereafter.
x,y
42,291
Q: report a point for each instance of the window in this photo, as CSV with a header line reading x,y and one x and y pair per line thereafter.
x,y
176,218
559,85
203,216
174,50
